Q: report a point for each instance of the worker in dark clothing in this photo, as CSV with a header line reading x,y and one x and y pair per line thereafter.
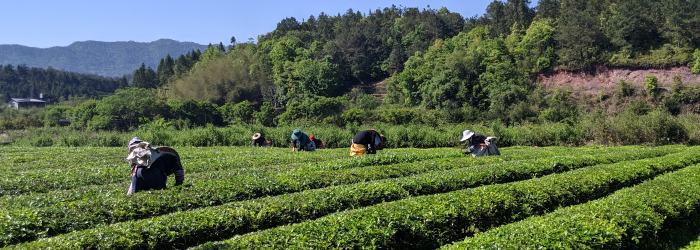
x,y
156,176
367,142
317,142
151,167
259,140
479,145
302,142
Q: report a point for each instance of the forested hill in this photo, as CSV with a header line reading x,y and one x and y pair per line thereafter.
x,y
55,85
438,59
112,59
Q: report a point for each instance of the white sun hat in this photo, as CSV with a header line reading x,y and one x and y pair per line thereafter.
x,y
466,135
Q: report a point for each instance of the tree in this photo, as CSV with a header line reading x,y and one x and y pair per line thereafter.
x,y
577,34
495,13
83,113
624,88
221,47
629,26
295,112
548,8
123,83
122,110
286,25
232,44
165,71
54,113
266,115
139,80
150,79
236,113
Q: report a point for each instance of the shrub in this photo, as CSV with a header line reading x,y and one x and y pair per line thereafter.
x,y
237,113
398,115
43,141
639,107
651,86
354,115
266,115
624,88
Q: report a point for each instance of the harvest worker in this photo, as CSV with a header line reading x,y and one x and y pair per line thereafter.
x,y
367,142
317,142
303,141
479,145
259,140
150,166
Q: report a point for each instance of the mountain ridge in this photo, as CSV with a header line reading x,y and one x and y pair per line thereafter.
x,y
110,59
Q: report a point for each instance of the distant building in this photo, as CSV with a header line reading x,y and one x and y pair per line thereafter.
x,y
17,103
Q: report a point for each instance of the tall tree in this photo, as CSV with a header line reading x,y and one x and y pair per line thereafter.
x,y
495,13
123,83
548,8
150,78
578,33
139,80
629,25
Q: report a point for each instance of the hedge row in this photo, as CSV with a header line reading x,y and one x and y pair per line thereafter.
x,y
192,227
640,217
116,170
198,158
428,222
55,215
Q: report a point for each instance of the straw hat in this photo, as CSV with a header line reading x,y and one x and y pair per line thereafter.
x,y
256,136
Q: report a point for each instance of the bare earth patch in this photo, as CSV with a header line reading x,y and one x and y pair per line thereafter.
x,y
592,81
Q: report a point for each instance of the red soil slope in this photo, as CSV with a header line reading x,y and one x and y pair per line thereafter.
x,y
592,81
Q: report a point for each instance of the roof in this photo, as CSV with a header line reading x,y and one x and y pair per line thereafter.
x,y
25,100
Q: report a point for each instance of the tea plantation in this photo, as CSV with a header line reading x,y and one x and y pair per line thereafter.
x,y
632,197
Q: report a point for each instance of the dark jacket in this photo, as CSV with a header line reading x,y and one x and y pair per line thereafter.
x,y
477,139
368,138
259,142
474,141
303,140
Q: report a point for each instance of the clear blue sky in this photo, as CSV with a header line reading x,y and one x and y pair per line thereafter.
x,y
48,23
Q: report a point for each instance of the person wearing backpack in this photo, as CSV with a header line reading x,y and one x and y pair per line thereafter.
x,y
150,167
479,145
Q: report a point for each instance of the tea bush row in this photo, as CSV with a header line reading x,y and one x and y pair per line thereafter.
x,y
428,222
94,172
639,217
42,221
70,173
118,187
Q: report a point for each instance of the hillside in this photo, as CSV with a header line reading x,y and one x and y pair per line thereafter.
x,y
592,81
112,59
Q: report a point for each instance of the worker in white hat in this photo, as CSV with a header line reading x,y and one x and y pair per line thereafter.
x,y
479,145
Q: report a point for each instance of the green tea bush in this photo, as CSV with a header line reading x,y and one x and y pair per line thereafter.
x,y
632,218
289,208
43,141
426,222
